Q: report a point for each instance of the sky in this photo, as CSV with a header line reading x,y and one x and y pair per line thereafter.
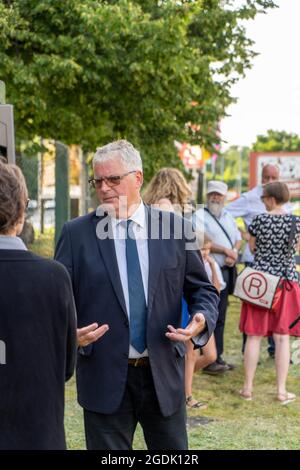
x,y
269,95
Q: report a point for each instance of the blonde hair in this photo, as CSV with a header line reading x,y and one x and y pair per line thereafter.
x,y
206,240
13,197
168,183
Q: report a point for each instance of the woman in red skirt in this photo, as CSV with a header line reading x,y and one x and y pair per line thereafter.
x,y
269,241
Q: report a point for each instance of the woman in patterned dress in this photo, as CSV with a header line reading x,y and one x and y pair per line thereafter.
x,y
269,241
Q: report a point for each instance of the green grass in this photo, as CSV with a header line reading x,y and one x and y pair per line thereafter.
x,y
236,424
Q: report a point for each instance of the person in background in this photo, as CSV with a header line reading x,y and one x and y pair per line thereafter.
x,y
208,354
221,227
38,328
169,191
248,206
132,281
269,242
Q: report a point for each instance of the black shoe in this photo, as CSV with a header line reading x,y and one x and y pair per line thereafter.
x,y
215,369
224,363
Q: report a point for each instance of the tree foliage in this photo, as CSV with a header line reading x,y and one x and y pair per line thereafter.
x,y
89,71
232,166
277,141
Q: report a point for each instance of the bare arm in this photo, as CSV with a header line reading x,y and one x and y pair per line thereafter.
x,y
252,244
215,280
298,244
215,248
245,235
238,245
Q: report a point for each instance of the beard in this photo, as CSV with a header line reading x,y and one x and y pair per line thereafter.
x,y
215,208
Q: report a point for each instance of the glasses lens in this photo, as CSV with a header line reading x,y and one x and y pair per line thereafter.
x,y
112,180
109,180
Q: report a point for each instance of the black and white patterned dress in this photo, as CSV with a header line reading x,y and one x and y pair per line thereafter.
x,y
272,232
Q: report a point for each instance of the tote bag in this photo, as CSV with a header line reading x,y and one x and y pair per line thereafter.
x,y
260,288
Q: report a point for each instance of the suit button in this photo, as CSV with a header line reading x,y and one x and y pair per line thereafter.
x,y
125,355
126,323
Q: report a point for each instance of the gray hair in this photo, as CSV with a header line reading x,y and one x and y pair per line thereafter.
x,y
122,149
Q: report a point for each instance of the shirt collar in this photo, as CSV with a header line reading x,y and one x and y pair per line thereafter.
x,y
139,217
11,243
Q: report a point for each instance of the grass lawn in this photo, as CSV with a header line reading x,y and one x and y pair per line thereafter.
x,y
231,423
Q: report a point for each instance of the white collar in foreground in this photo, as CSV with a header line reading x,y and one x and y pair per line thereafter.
x,y
11,243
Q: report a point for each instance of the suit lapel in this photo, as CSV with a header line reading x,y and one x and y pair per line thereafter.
x,y
155,253
107,250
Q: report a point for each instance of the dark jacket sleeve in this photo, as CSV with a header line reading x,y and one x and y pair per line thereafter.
x,y
200,295
71,333
63,254
63,251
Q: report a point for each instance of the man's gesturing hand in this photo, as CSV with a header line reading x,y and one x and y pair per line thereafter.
x,y
184,334
91,333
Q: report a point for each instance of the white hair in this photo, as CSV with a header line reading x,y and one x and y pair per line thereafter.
x,y
124,151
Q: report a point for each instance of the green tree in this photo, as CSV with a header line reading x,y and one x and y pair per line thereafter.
x,y
232,166
277,141
89,71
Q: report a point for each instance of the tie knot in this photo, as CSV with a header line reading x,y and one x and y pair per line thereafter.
x,y
129,226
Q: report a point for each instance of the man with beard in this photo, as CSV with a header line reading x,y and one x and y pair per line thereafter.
x,y
221,227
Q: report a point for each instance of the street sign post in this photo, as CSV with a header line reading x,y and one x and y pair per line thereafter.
x,y
7,135
2,92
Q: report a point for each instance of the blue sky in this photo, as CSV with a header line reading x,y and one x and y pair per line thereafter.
x,y
269,95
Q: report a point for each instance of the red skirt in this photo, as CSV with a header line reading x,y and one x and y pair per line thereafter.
x,y
256,321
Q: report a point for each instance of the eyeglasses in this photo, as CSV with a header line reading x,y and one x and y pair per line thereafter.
x,y
110,181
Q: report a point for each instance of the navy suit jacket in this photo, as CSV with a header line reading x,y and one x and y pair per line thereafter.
x,y
173,271
38,326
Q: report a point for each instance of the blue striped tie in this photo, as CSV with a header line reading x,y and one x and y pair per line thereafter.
x,y
137,301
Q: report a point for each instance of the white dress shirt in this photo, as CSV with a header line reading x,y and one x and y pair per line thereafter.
x,y
139,227
217,235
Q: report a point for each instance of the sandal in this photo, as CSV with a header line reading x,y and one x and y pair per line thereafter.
x,y
285,398
245,395
192,403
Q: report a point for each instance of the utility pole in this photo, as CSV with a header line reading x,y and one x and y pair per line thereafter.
x,y
62,196
7,135
200,186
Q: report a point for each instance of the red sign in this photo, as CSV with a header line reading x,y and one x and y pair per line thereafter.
x,y
289,166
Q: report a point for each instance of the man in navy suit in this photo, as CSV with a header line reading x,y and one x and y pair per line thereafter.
x,y
129,270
